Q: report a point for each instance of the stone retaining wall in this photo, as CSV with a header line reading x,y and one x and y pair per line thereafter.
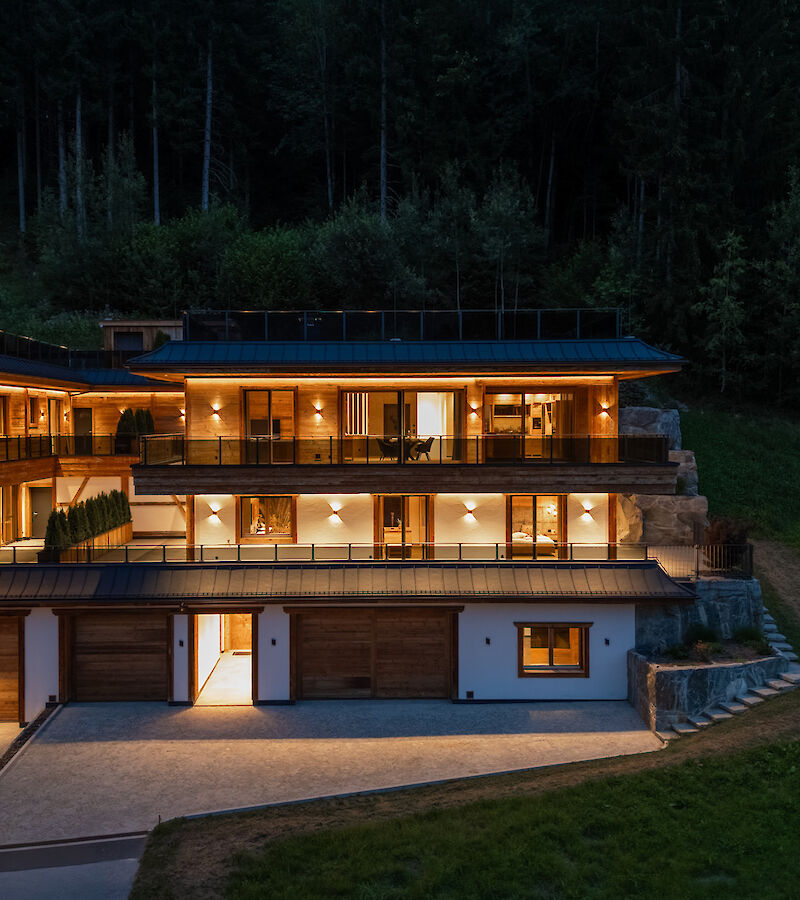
x,y
724,604
665,695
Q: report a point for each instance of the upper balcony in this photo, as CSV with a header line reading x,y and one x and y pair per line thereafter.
x,y
32,457
385,463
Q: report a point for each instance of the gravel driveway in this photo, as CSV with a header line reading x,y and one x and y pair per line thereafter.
x,y
106,768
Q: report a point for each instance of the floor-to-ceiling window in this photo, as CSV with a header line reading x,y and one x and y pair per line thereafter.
x,y
269,426
403,525
535,525
527,424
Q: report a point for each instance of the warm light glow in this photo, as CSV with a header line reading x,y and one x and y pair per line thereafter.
x,y
335,505
552,510
470,506
214,509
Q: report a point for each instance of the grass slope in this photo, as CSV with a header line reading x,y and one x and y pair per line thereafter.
x,y
749,469
701,829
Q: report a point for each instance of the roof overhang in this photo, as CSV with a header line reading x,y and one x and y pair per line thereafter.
x,y
188,586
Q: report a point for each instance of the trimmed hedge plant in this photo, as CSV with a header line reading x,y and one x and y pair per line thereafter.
x,y
86,520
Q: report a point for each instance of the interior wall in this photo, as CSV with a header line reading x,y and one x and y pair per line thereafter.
x,y
155,513
41,660
490,669
273,658
208,646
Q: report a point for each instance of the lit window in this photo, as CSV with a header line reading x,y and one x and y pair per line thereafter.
x,y
267,519
552,649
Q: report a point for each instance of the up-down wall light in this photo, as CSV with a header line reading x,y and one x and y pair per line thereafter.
x,y
470,505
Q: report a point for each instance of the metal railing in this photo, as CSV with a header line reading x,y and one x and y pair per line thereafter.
x,y
17,447
176,449
403,324
682,562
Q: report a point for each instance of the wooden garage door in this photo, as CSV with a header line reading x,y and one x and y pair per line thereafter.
x,y
9,668
120,656
387,653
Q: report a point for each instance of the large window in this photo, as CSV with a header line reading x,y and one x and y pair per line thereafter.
x,y
402,526
535,525
552,649
267,520
525,425
269,426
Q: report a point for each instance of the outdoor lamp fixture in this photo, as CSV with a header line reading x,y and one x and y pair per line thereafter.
x,y
216,408
214,511
470,505
334,517
183,414
604,409
587,511
317,410
474,408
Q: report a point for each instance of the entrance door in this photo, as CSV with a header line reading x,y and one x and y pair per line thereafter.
x,y
82,419
120,656
222,668
10,630
384,653
41,504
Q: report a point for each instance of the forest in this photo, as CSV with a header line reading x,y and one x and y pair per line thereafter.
x,y
162,155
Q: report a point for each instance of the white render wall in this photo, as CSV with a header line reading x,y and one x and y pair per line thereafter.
x,y
273,660
348,519
180,658
41,660
490,670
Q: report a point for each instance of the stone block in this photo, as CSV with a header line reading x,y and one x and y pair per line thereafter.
x,y
749,700
668,519
651,420
687,471
718,715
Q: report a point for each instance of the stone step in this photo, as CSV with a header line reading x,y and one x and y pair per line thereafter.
x,y
778,684
667,736
733,707
791,677
684,728
790,655
719,715
750,699
768,620
765,692
775,636
770,628
699,721
780,645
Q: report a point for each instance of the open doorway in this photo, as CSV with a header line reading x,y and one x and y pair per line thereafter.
x,y
223,659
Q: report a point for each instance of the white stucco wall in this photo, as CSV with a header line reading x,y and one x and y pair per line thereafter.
x,y
317,524
486,525
490,670
41,660
587,523
66,488
219,529
180,658
273,660
208,646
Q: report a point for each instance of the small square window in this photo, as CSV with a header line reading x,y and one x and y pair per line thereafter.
x,y
554,650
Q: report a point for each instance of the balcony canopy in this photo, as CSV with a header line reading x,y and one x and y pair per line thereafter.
x,y
325,357
196,584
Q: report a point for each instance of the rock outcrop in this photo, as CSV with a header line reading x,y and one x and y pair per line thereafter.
x,y
687,471
661,519
650,420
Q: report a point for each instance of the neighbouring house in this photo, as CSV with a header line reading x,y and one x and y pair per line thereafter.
x,y
344,505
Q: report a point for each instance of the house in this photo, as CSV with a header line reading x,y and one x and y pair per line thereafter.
x,y
338,505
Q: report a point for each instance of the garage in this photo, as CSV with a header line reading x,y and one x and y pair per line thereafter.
x,y
10,653
374,653
119,656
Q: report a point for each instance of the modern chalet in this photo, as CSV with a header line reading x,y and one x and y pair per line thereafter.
x,y
334,505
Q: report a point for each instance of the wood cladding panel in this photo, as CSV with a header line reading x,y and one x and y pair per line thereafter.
x,y
120,656
410,479
383,653
238,631
9,668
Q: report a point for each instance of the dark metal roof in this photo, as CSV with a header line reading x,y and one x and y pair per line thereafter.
x,y
628,581
261,355
33,368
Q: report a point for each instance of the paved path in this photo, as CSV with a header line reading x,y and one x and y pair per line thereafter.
x,y
110,768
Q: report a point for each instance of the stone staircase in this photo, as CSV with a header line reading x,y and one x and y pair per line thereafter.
x,y
788,681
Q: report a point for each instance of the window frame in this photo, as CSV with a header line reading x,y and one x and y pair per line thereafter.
x,y
250,539
581,671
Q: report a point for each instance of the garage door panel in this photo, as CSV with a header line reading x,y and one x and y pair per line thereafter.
x,y
9,669
120,656
383,653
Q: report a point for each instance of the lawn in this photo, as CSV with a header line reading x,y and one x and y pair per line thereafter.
x,y
749,469
705,828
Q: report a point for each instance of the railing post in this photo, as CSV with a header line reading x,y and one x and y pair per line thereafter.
x,y
163,553
330,449
220,451
183,450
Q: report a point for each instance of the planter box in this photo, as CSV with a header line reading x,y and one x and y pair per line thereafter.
x,y
85,551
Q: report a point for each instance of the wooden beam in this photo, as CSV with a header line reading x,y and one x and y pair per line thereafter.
x,y
180,506
77,496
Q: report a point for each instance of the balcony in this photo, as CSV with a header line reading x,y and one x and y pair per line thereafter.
x,y
32,457
380,463
684,561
